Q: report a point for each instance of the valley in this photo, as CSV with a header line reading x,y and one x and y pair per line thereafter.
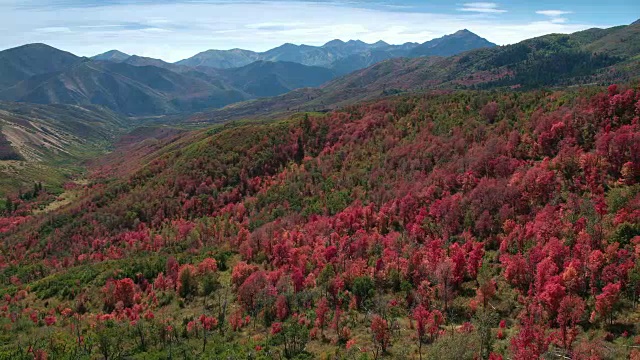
x,y
453,199
48,143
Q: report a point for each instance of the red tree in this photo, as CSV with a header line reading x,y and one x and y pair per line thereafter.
x,y
570,313
322,309
241,272
381,334
282,307
207,266
116,291
606,301
530,342
421,317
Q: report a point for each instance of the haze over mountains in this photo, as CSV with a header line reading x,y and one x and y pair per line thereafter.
x,y
142,86
341,56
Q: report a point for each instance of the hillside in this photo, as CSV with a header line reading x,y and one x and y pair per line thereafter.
x,y
221,59
547,61
441,226
146,61
20,63
265,78
128,89
48,143
111,55
625,42
140,86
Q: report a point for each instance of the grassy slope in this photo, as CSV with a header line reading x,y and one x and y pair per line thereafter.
x,y
53,142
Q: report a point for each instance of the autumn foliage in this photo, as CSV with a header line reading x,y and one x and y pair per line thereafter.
x,y
392,228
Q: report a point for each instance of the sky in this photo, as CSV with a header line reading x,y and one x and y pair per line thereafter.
x,y
177,29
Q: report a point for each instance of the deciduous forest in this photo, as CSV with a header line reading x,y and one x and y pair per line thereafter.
x,y
447,225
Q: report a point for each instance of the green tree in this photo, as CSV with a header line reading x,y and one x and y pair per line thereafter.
x,y
485,320
300,151
294,337
187,283
325,276
364,289
9,205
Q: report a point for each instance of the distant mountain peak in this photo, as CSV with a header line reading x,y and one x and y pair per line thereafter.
x,y
334,43
33,46
341,55
637,22
112,55
460,41
286,46
464,32
380,43
22,62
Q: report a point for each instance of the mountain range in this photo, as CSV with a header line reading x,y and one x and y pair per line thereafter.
x,y
436,204
23,62
266,83
594,56
59,108
337,55
223,85
342,57
142,86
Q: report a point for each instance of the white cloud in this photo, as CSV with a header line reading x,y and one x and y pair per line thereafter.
x,y
552,13
482,7
100,26
555,16
155,30
276,25
174,31
158,21
53,29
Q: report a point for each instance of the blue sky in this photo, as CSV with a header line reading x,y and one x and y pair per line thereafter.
x,y
173,29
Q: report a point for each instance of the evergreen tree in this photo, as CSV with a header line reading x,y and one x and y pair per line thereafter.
x,y
9,205
300,152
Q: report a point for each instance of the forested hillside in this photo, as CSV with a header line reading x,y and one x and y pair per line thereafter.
x,y
460,225
589,57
